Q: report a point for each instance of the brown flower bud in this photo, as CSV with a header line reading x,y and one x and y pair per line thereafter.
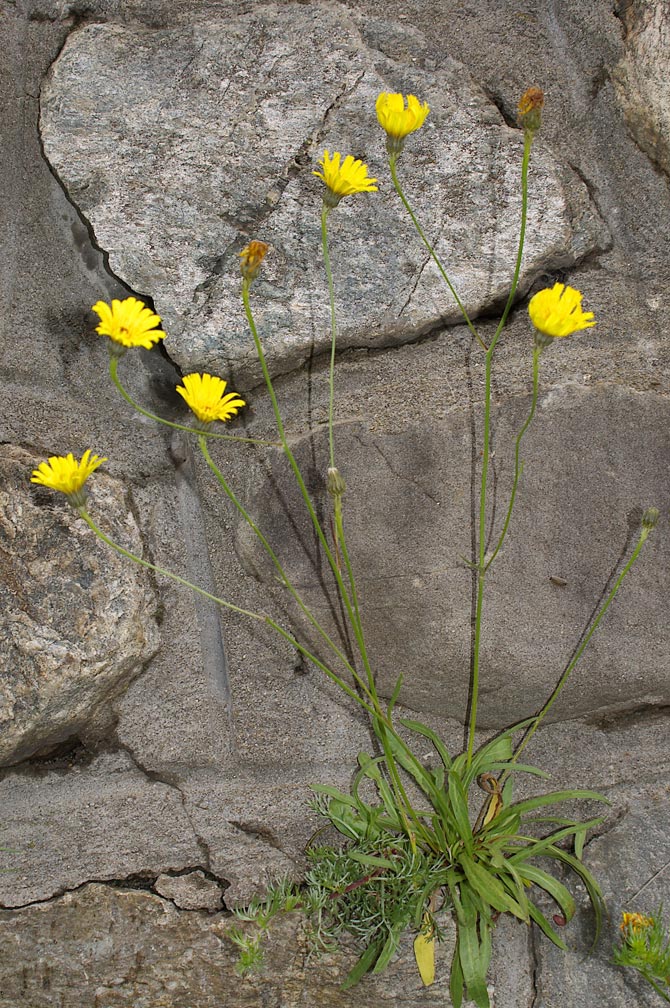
x,y
530,109
252,256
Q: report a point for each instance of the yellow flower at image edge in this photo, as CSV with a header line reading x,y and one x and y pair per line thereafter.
x,y
65,474
557,311
128,323
343,178
204,395
635,921
396,119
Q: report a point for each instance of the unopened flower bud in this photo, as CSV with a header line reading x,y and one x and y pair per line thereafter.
x,y
252,256
650,518
530,109
335,483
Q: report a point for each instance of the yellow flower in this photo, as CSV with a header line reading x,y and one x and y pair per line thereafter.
x,y
557,311
252,256
204,396
345,179
397,120
128,323
64,473
635,921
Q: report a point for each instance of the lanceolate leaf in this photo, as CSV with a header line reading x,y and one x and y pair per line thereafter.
x,y
490,888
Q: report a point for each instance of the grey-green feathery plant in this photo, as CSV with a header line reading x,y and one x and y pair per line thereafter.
x,y
409,850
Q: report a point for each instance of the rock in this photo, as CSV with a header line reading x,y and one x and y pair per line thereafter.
x,y
407,519
192,891
114,948
103,821
79,621
224,121
642,78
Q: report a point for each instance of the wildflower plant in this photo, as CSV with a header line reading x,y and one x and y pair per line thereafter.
x,y
416,841
645,946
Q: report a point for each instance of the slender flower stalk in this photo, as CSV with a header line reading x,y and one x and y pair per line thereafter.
x,y
285,580
648,522
333,336
379,718
518,464
486,451
431,251
259,617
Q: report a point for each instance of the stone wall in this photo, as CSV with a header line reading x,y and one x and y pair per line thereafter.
x,y
157,753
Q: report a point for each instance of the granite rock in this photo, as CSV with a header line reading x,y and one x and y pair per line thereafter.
x,y
79,621
642,77
179,144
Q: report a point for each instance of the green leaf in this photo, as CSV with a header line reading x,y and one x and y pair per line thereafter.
x,y
545,926
536,847
394,696
473,953
490,888
422,729
370,860
556,889
456,978
390,946
365,962
459,807
510,768
554,797
587,878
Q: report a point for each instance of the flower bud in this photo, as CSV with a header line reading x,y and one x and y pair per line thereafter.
x,y
650,518
335,483
252,256
530,109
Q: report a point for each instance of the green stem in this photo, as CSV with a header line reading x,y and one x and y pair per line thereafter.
x,y
580,650
162,570
275,560
518,464
486,450
525,161
333,335
226,605
113,366
422,235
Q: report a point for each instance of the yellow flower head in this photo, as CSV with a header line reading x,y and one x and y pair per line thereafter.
x,y
345,179
65,474
128,323
557,311
635,921
204,396
397,120
252,256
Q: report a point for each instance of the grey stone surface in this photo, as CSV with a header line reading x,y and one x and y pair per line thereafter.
x,y
641,77
192,891
78,623
407,514
221,127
